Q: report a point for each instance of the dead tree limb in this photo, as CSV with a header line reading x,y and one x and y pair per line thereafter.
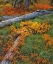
x,y
23,17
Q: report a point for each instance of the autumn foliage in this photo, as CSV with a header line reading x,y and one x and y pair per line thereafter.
x,y
9,10
26,29
48,40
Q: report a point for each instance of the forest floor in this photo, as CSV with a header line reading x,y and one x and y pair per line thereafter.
x,y
30,40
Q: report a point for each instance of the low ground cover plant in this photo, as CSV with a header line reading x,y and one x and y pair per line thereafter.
x,y
35,44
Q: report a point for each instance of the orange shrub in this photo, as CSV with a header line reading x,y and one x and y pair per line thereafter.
x,y
48,40
46,6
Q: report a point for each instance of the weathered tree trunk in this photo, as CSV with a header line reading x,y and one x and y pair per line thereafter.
x,y
10,53
5,62
51,2
27,4
15,3
23,17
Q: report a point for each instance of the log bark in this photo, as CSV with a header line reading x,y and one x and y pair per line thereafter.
x,y
15,3
10,53
27,4
5,62
23,17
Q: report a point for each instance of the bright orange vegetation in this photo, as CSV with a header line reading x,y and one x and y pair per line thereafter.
x,y
26,28
37,60
40,7
37,27
24,58
9,10
48,40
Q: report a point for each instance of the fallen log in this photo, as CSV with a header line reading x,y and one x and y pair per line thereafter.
x,y
5,62
9,53
23,17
